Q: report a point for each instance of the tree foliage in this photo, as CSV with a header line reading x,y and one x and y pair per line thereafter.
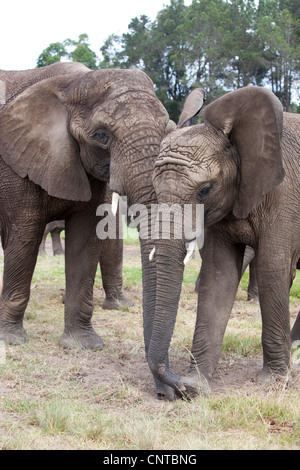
x,y
53,53
77,51
220,45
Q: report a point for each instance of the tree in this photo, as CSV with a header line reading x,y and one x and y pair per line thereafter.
x,y
206,35
53,53
82,52
278,29
111,52
69,49
130,49
158,48
169,35
246,48
220,45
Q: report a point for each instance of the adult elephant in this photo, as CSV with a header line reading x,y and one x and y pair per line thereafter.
x,y
62,138
234,164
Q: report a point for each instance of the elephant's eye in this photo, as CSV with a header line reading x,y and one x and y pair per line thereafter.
x,y
203,191
102,138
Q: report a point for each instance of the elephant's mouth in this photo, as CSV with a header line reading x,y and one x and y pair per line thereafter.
x,y
102,170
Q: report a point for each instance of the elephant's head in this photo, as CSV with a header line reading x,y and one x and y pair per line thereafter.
x,y
103,123
228,163
231,161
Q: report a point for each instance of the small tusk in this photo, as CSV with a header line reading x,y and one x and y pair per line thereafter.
x,y
114,203
190,250
151,256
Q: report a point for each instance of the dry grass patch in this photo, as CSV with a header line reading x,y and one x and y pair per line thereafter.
x,y
56,399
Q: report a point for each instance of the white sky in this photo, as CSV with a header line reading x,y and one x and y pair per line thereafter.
x,y
27,27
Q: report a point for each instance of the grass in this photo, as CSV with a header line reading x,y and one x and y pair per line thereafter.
x,y
56,399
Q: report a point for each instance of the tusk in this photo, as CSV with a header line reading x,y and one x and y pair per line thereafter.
x,y
114,203
190,250
151,256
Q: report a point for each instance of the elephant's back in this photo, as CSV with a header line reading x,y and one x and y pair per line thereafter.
x,y
15,82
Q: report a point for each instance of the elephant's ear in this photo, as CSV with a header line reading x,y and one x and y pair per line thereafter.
x,y
252,118
35,142
192,106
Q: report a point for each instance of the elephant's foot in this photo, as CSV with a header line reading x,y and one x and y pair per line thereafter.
x,y
58,252
252,297
80,339
274,380
42,252
192,385
13,335
116,303
185,387
164,392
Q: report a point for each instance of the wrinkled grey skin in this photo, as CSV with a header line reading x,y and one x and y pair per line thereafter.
x,y
252,290
233,164
61,140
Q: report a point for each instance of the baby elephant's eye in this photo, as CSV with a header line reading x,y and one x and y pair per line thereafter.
x,y
203,191
102,137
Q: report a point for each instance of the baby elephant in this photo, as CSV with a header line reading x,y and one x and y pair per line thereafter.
x,y
243,164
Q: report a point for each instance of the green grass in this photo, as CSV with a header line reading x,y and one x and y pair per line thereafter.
x,y
132,275
241,344
295,289
56,399
294,292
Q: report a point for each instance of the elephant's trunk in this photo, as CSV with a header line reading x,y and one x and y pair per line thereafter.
x,y
169,257
149,290
141,197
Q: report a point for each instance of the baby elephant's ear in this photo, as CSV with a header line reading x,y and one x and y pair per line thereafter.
x,y
192,106
35,142
252,118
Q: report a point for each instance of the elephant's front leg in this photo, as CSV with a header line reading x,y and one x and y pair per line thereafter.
x,y
163,391
218,282
81,259
21,246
